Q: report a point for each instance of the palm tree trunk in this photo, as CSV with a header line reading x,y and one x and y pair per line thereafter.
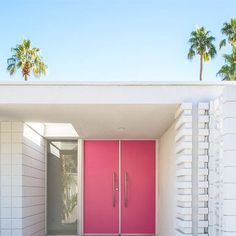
x,y
201,67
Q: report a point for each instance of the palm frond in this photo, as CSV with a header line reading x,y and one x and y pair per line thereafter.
x,y
229,30
201,42
206,56
222,43
11,68
191,54
228,71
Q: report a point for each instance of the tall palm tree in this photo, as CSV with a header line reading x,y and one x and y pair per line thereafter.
x,y
201,44
27,59
229,30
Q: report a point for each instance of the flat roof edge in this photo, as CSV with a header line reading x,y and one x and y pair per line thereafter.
x,y
117,83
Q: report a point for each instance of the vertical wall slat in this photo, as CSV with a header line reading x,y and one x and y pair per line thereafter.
x,y
203,173
183,140
215,169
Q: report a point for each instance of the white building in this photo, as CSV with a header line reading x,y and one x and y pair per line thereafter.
x,y
118,159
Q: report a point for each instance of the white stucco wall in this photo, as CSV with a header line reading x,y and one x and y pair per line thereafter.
x,y
167,183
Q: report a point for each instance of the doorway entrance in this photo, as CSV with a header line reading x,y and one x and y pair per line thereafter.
x,y
62,187
119,187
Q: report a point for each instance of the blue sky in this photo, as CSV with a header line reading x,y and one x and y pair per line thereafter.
x,y
113,40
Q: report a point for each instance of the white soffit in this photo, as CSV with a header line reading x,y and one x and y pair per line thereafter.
x,y
135,121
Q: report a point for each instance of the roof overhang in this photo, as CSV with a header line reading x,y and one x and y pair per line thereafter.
x,y
103,110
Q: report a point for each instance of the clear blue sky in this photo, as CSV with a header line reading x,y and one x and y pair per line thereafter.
x,y
113,40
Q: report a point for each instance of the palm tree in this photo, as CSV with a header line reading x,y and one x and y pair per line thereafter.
x,y
228,71
26,59
229,30
201,44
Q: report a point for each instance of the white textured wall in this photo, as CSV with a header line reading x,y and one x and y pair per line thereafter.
x,y
229,163
215,165
22,181
167,183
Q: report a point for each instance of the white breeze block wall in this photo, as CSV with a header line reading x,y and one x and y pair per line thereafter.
x,y
183,140
229,161
203,148
22,180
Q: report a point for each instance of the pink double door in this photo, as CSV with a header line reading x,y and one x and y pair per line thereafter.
x,y
119,187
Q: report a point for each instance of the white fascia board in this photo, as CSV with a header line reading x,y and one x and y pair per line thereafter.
x,y
109,93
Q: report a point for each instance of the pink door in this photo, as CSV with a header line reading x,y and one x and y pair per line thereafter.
x,y
101,209
101,187
138,187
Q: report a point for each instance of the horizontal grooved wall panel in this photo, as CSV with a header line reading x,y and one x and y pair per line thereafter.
x,y
22,176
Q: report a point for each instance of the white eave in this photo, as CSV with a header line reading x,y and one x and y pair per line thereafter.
x,y
117,83
108,92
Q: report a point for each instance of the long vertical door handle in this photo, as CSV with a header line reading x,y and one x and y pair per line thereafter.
x,y
126,189
114,189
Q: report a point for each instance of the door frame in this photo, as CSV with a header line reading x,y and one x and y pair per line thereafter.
x,y
46,177
80,226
